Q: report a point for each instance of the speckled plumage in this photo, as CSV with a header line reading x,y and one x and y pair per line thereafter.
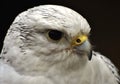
x,y
29,56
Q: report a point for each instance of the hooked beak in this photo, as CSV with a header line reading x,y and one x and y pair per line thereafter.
x,y
79,40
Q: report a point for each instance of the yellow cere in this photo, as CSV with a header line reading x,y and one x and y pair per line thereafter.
x,y
79,40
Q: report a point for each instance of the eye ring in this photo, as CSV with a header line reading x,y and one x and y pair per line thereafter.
x,y
54,35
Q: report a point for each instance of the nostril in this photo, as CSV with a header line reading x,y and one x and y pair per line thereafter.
x,y
78,40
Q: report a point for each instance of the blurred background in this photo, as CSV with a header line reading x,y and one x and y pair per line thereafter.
x,y
102,15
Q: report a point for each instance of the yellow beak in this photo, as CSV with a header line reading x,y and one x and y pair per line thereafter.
x,y
78,40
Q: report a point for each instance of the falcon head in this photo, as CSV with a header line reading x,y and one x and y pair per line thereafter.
x,y
46,36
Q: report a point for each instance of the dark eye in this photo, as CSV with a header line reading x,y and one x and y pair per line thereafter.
x,y
55,34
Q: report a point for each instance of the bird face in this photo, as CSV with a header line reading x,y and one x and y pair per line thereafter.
x,y
58,29
48,35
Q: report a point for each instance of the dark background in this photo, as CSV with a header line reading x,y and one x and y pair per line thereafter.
x,y
102,15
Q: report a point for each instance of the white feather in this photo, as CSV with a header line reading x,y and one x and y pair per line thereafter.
x,y
30,57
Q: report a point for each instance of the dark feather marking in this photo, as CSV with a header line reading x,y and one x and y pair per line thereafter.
x,y
112,67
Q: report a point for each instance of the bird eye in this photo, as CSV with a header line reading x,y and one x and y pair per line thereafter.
x,y
55,34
